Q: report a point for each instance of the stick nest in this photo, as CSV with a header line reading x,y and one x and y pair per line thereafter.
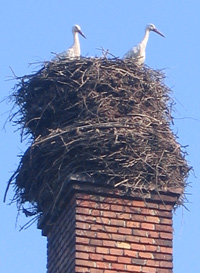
x,y
97,120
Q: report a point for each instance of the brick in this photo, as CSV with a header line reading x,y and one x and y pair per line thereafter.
x,y
82,225
153,263
167,250
117,208
85,248
102,250
85,263
124,216
81,269
82,240
164,235
162,242
82,255
152,219
140,233
163,257
109,214
117,222
164,228
148,226
132,239
166,264
137,246
147,241
146,255
166,221
110,258
133,268
133,224
95,270
118,237
151,248
116,251
103,265
102,221
149,270
96,257
124,260
130,253
96,242
125,230
123,245
109,243
118,266
138,261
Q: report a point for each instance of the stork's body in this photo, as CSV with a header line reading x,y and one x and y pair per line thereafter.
x,y
74,51
138,52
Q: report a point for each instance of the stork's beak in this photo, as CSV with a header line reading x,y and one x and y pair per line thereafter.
x,y
157,31
81,34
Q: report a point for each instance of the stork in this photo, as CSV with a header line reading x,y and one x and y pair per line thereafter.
x,y
74,51
137,53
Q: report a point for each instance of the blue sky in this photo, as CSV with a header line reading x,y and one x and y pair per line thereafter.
x,y
31,30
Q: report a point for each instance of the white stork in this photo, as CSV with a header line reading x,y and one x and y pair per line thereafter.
x,y
74,51
137,53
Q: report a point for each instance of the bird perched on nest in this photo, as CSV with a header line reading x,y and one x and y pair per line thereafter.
x,y
74,51
137,53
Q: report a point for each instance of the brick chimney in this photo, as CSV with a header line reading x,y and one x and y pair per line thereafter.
x,y
98,230
104,170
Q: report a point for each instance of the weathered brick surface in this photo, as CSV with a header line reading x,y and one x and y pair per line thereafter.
x,y
98,234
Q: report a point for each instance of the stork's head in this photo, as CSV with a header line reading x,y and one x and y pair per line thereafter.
x,y
151,27
77,28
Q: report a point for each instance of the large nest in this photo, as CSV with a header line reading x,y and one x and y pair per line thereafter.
x,y
103,121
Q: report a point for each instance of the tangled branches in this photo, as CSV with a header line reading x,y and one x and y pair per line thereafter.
x,y
101,121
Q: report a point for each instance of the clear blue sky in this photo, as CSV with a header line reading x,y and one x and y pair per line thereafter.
x,y
31,30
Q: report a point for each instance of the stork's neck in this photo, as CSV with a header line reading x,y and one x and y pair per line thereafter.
x,y
145,39
76,41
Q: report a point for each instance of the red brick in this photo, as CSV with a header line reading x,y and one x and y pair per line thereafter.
x,y
162,242
82,255
103,265
137,246
95,270
102,250
152,219
118,237
133,268
110,258
123,245
124,260
85,263
132,239
117,208
153,263
109,214
95,256
81,269
85,248
139,261
116,251
96,242
117,222
133,224
118,266
164,235
149,269
147,241
130,253
124,230
109,243
82,240
148,226
146,255
164,228
163,257
167,250
166,264
82,225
